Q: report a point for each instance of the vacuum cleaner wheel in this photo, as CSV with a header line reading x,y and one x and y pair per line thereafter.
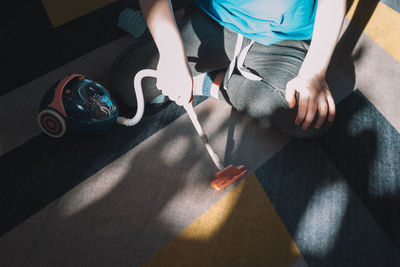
x,y
52,123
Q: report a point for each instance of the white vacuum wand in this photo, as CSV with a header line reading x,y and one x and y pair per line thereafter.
x,y
203,136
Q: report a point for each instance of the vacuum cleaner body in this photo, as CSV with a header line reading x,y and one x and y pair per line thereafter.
x,y
77,104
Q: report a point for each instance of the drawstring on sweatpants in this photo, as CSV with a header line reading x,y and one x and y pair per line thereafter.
x,y
238,60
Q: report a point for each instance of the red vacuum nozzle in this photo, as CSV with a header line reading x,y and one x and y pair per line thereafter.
x,y
227,176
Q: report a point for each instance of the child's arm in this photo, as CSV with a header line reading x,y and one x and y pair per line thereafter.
x,y
314,93
174,77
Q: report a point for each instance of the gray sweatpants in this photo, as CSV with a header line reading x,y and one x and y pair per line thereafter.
x,y
209,47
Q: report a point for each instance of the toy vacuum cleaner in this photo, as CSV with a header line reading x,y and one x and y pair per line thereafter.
x,y
84,106
79,105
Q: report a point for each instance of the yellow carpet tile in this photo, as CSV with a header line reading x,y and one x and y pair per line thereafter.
x,y
242,229
379,22
62,11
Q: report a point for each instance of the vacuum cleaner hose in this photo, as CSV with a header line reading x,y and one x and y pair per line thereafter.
x,y
137,83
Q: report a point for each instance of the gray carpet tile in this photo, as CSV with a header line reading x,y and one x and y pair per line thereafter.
x,y
44,168
371,69
394,4
125,212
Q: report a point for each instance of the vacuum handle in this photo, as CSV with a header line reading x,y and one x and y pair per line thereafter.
x,y
193,117
137,84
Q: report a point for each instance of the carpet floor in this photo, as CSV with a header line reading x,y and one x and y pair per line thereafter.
x,y
140,196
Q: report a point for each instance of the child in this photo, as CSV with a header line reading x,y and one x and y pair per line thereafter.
x,y
258,55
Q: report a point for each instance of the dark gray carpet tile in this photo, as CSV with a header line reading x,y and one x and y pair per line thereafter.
x,y
365,148
328,222
41,170
31,47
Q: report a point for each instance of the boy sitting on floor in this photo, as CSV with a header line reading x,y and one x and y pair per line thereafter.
x,y
266,58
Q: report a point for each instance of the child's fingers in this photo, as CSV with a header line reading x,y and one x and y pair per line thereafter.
x,y
311,111
290,95
302,109
322,113
332,107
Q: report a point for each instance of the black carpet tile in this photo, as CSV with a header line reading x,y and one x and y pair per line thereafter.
x,y
339,195
365,148
325,217
31,47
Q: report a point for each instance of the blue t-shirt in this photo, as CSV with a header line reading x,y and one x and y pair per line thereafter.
x,y
264,21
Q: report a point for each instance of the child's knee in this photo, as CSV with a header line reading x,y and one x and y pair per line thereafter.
x,y
311,132
284,120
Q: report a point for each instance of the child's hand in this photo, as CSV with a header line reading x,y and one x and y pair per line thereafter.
x,y
314,95
174,79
